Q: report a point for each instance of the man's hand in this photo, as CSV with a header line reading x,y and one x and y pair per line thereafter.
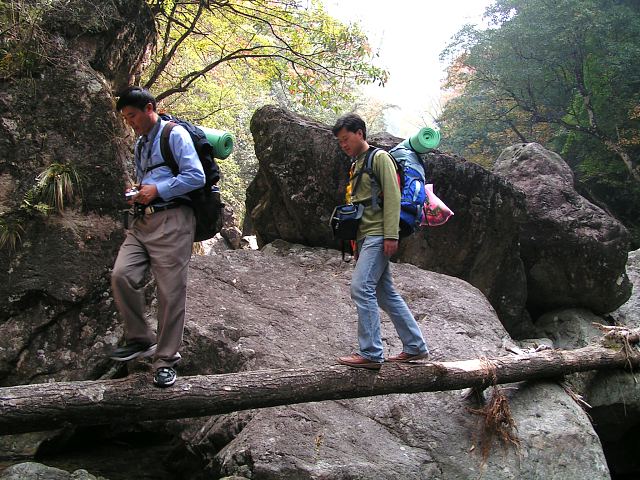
x,y
146,195
390,246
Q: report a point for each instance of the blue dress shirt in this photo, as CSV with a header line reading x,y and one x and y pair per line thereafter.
x,y
147,154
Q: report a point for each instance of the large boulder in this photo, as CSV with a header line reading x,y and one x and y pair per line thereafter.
x,y
302,176
629,313
574,253
480,243
112,37
615,413
55,311
570,328
37,471
288,306
613,397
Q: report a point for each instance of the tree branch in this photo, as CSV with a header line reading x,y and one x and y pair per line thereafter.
x,y
166,58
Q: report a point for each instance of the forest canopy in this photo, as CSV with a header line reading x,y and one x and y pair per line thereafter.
x,y
563,73
215,61
299,48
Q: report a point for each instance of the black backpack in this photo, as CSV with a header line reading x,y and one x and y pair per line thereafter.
x,y
205,201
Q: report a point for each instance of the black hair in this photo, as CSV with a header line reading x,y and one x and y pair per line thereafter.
x,y
136,97
352,123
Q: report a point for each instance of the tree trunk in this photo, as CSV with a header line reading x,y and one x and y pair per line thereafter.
x,y
47,406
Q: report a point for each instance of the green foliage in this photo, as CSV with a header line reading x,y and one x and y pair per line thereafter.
x,y
569,65
56,186
215,64
300,50
232,187
11,231
22,41
564,74
32,204
58,183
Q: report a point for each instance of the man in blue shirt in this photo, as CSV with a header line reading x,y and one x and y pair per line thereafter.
x,y
159,236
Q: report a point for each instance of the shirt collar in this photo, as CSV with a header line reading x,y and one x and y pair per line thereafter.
x,y
154,131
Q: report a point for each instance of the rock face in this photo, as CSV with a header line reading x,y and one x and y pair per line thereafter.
x,y
54,285
230,232
112,37
613,396
36,471
302,176
570,328
480,243
629,312
574,253
288,306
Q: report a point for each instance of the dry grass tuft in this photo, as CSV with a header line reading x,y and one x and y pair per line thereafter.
x,y
197,248
497,423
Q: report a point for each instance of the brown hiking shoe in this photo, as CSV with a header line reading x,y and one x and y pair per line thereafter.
x,y
408,357
358,361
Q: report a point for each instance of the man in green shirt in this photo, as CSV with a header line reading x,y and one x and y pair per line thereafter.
x,y
377,240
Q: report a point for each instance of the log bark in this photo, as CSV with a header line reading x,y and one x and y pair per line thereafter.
x,y
48,406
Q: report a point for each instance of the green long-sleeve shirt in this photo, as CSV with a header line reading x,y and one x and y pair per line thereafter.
x,y
383,221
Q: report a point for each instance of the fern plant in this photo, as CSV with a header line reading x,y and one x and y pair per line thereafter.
x,y
31,203
56,186
11,232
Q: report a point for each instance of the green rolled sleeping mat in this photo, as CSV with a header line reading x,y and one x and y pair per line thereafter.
x,y
423,141
222,142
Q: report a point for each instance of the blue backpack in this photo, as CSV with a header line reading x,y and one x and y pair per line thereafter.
x,y
411,178
413,188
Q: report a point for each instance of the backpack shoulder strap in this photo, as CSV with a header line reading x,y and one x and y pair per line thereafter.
x,y
368,162
367,167
165,149
138,147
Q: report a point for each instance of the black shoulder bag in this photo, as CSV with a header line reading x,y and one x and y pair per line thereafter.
x,y
345,219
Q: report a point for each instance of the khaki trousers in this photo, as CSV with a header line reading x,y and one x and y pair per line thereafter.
x,y
161,241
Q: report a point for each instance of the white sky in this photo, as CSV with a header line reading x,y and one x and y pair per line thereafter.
x,y
409,36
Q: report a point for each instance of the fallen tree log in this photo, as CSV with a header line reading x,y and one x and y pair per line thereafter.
x,y
47,406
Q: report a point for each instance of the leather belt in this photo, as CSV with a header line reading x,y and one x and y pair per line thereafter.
x,y
153,209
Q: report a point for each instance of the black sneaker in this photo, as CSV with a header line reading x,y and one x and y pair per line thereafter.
x,y
131,351
165,377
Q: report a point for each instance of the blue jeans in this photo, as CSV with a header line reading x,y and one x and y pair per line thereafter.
x,y
372,286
